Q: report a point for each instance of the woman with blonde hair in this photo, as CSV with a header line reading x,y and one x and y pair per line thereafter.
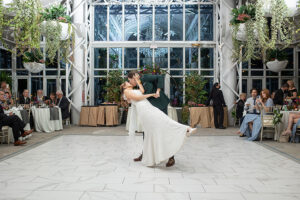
x,y
292,91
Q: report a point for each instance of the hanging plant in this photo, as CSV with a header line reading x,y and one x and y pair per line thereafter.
x,y
25,24
243,33
277,60
282,28
57,29
33,61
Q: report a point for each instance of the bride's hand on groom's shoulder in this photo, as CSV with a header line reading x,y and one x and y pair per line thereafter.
x,y
156,95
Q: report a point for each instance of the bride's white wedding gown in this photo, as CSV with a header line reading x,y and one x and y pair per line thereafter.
x,y
163,136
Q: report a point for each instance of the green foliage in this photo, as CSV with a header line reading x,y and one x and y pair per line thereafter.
x,y
33,56
242,14
114,80
1,18
185,114
25,24
194,92
52,31
56,13
5,77
277,117
273,54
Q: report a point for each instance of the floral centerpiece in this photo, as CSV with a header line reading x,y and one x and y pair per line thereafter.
x,y
57,29
33,61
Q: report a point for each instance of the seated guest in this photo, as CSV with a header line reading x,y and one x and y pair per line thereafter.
x,y
24,99
63,103
292,91
40,98
9,100
265,102
293,119
14,122
52,100
5,87
279,95
240,104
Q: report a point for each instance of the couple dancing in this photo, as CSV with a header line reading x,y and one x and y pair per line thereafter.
x,y
163,137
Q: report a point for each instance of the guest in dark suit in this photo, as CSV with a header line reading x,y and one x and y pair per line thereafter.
x,y
24,99
279,95
63,103
217,97
14,122
40,98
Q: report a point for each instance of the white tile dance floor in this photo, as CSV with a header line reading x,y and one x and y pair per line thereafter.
x,y
101,167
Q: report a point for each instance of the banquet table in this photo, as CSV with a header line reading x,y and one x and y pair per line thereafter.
x,y
204,117
284,123
42,122
104,115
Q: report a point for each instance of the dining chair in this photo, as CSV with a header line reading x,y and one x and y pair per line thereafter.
x,y
4,134
267,123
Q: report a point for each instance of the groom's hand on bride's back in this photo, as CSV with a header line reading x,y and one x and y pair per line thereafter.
x,y
156,96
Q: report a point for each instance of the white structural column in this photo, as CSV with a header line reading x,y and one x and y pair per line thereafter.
x,y
228,69
78,75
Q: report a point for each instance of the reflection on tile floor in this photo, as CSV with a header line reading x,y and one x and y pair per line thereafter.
x,y
101,167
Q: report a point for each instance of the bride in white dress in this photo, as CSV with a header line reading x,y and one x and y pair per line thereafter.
x,y
163,136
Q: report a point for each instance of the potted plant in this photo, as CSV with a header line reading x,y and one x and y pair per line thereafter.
x,y
194,89
24,22
277,60
33,61
57,29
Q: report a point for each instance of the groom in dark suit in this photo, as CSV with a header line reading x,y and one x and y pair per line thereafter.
x,y
152,84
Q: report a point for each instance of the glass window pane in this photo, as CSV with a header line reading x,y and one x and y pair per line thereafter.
x,y
145,56
257,83
51,86
100,58
63,86
290,57
115,23
130,58
36,84
207,73
176,72
208,86
191,58
22,85
5,59
191,22
287,73
176,22
206,22
244,86
272,84
100,23
161,23
257,73
176,92
146,15
257,64
176,55
99,92
130,23
115,58
207,58
161,57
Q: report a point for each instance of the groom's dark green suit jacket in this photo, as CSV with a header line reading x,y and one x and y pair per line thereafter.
x,y
151,83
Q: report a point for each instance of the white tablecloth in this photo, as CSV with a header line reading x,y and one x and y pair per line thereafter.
x,y
42,122
284,123
17,112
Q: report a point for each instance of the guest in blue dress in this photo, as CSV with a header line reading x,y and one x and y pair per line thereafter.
x,y
252,121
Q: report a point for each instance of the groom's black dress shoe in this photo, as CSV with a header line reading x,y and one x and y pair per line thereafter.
x,y
221,127
138,159
171,162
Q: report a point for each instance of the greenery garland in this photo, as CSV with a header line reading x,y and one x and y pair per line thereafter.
x,y
25,24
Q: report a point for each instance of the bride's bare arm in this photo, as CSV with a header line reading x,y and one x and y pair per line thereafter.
x,y
138,81
131,96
